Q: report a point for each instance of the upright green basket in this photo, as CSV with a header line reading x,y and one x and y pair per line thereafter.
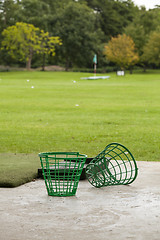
x,y
115,165
62,171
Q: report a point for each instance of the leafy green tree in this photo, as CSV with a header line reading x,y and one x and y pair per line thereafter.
x,y
152,49
40,12
23,40
121,50
143,24
8,16
113,16
47,45
36,12
75,24
8,13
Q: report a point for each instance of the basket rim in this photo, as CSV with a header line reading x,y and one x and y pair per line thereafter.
x,y
72,154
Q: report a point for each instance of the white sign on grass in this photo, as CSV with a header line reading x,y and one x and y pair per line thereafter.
x,y
120,73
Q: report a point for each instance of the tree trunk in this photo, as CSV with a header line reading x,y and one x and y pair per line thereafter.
x,y
144,69
28,63
67,64
43,64
130,70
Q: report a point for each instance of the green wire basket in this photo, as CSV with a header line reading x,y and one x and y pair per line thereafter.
x,y
62,171
115,165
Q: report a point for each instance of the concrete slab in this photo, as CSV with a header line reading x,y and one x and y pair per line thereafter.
x,y
115,212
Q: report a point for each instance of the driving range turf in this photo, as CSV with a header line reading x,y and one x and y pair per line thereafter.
x,y
58,111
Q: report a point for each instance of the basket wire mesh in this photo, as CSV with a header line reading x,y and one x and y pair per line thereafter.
x,y
115,165
62,171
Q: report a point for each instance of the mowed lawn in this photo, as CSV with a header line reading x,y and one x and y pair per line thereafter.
x,y
58,111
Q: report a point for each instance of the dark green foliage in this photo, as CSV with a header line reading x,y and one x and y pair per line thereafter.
x,y
113,16
140,28
76,27
36,12
8,13
84,25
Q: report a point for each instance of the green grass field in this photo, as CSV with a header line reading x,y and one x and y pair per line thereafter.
x,y
57,111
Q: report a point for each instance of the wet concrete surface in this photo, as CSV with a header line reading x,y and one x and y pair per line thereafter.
x,y
115,212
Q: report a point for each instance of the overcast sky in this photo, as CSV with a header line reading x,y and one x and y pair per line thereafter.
x,y
147,3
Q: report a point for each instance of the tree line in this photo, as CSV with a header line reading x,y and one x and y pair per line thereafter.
x,y
69,33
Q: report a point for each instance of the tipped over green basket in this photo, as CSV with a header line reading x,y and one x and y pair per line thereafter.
x,y
62,171
115,165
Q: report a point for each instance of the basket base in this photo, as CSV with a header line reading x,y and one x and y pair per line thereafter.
x,y
61,194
